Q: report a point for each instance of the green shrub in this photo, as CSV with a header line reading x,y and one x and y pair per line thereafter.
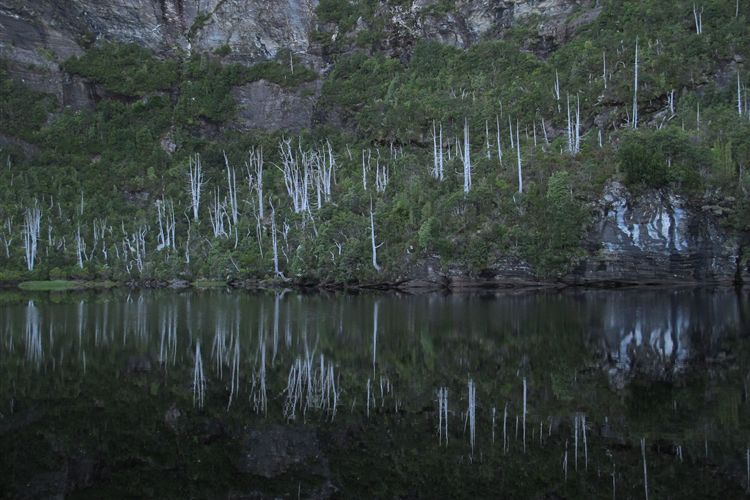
x,y
125,69
22,111
655,158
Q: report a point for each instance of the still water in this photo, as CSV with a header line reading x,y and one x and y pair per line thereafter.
x,y
228,394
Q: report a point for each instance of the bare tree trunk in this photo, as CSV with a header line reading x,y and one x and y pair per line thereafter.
x,y
635,89
499,144
518,158
467,157
274,242
254,169
578,124
196,184
381,176
80,248
365,168
31,230
232,191
372,236
698,18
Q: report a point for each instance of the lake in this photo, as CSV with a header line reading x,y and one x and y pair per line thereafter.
x,y
232,394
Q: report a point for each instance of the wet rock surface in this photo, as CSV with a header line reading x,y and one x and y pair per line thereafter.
x,y
656,237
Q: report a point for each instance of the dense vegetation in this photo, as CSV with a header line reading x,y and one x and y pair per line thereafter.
x,y
112,163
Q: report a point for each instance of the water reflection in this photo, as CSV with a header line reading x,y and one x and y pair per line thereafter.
x,y
653,332
528,370
659,333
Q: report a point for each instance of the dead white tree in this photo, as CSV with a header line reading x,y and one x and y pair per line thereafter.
x,y
31,230
437,152
372,236
101,228
698,18
80,247
254,171
698,116
196,184
467,157
578,125
322,165
635,88
366,155
296,176
187,243
274,242
518,158
381,175
218,213
7,235
167,226
327,170
569,128
233,211
497,138
134,248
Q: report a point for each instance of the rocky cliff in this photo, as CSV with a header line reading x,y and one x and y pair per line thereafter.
x,y
657,237
35,37
649,238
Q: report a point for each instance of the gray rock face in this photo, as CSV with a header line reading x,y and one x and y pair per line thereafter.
x,y
656,238
476,19
255,29
265,105
35,37
473,20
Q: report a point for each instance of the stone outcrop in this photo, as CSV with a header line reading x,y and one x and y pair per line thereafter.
x,y
551,22
266,105
35,37
656,237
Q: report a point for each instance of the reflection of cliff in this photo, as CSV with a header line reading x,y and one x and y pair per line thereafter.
x,y
656,333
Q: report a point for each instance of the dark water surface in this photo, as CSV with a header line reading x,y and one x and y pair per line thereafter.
x,y
226,394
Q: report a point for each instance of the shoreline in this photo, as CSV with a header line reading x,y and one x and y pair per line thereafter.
x,y
410,286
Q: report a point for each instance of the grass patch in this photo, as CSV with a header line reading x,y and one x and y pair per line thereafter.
x,y
62,285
